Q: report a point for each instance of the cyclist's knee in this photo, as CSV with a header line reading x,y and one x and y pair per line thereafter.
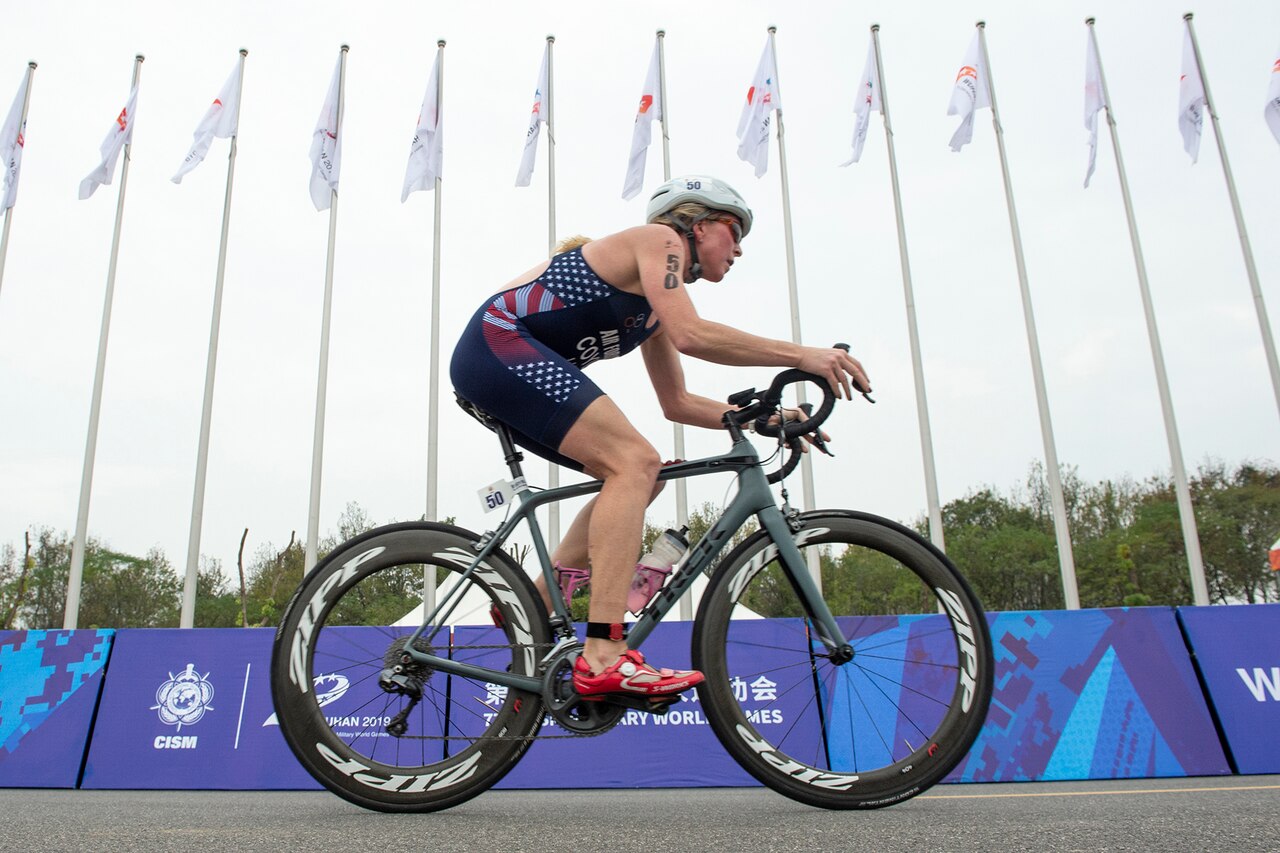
x,y
636,459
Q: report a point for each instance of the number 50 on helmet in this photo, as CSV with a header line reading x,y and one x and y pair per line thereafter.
x,y
707,191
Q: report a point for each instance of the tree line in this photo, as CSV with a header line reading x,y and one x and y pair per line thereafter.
x,y
1126,537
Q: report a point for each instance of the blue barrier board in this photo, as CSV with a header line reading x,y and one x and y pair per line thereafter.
x,y
677,750
191,709
1092,694
49,686
1237,649
1080,694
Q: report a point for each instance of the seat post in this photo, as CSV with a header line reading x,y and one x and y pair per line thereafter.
x,y
512,456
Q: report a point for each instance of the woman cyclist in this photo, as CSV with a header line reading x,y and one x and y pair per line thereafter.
x,y
521,356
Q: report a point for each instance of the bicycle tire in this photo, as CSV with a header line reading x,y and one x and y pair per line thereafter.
x,y
874,731
340,632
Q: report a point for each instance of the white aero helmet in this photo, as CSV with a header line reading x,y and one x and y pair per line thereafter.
x,y
701,189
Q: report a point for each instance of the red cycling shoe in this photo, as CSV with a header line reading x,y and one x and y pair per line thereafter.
x,y
630,675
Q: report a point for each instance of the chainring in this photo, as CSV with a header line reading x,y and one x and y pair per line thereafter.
x,y
564,704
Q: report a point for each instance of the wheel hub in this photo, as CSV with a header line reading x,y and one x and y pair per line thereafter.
x,y
842,655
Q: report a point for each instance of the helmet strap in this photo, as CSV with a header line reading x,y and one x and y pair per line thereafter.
x,y
695,268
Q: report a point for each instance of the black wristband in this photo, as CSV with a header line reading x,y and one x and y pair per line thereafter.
x,y
615,631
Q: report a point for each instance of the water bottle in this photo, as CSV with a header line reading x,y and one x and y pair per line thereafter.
x,y
653,568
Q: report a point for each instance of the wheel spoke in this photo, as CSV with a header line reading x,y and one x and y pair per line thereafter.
x,y
873,716
416,724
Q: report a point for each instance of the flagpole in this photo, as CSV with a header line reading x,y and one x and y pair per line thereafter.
x,y
1190,535
317,445
1066,560
666,139
71,614
806,465
553,476
187,619
433,393
1260,307
682,486
22,124
433,407
913,332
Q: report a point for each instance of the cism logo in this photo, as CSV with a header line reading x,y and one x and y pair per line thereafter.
x,y
182,701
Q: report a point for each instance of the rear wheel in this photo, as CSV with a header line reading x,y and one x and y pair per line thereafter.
x,y
363,717
870,732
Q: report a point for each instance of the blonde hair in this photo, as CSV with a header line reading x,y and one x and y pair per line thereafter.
x,y
686,214
568,244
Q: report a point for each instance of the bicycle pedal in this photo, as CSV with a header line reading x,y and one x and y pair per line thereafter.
x,y
656,705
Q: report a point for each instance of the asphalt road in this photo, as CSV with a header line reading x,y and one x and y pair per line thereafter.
x,y
1237,814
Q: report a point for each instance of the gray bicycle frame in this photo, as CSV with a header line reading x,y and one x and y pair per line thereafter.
x,y
753,499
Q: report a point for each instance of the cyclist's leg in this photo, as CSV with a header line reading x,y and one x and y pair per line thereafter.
x,y
572,550
610,448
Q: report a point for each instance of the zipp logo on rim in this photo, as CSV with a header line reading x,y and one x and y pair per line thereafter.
x,y
516,617
969,651
794,769
400,783
307,624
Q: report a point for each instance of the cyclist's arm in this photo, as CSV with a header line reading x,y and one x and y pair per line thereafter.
x,y
663,363
658,254
662,360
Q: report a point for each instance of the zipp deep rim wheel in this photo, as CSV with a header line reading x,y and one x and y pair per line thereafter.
x,y
337,648
868,733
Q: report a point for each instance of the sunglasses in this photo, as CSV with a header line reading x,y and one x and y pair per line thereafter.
x,y
733,223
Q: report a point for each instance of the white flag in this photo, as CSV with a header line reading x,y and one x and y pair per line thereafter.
x,y
11,142
970,93
1273,100
642,134
326,146
537,116
120,135
426,152
219,122
1191,100
1093,102
753,124
868,101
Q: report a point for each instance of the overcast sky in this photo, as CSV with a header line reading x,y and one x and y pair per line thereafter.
x,y
1098,366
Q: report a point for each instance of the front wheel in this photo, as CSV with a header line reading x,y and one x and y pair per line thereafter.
x,y
368,721
870,732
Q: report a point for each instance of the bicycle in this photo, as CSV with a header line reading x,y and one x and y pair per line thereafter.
x,y
877,649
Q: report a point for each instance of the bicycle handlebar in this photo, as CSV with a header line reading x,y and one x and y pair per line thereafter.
x,y
758,407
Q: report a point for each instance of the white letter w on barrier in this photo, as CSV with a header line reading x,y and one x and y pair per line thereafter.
x,y
1259,685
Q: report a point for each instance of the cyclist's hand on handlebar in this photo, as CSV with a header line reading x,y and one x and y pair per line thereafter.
x,y
818,438
841,370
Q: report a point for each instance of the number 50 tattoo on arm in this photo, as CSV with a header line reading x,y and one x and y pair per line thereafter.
x,y
671,282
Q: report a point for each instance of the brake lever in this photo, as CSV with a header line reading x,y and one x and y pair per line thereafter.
x,y
817,439
866,395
